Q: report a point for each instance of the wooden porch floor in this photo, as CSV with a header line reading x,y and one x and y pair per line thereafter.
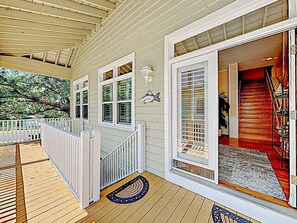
x,y
32,190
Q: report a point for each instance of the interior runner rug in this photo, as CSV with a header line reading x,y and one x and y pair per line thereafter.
x,y
250,169
221,215
130,192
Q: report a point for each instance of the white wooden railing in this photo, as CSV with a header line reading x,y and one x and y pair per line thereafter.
x,y
70,125
125,159
77,157
26,130
15,131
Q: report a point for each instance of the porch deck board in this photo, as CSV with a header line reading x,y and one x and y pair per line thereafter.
x,y
46,197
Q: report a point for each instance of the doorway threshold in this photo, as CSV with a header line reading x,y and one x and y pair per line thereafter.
x,y
255,194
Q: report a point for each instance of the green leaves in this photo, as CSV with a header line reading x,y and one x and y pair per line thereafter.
x,y
23,94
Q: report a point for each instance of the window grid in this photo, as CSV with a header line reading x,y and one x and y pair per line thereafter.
x,y
121,102
81,98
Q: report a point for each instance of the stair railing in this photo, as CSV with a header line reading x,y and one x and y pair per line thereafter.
x,y
270,85
125,159
76,157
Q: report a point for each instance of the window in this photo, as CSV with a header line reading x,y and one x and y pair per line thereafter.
x,y
116,96
81,98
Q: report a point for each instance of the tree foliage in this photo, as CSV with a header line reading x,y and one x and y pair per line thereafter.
x,y
24,94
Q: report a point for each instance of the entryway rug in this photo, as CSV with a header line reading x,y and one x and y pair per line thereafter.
x,y
130,192
250,169
221,215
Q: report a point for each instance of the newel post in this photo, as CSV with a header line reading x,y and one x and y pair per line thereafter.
x,y
141,147
84,169
42,134
96,164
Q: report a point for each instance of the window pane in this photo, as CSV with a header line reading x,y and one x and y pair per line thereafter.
x,y
192,114
107,92
77,98
85,111
124,113
77,86
85,84
125,69
108,75
107,112
125,90
85,97
77,111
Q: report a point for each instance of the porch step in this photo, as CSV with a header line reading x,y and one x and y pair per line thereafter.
x,y
255,111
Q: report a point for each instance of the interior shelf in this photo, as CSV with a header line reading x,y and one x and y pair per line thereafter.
x,y
280,127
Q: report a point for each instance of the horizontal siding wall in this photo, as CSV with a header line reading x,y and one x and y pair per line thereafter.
x,y
138,26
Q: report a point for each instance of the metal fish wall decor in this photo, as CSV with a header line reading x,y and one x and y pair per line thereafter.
x,y
150,97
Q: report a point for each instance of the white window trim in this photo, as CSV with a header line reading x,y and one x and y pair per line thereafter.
x,y
80,81
113,66
241,202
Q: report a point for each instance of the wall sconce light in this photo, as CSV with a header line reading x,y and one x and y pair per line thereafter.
x,y
147,74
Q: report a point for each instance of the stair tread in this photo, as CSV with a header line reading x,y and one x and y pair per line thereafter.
x,y
255,111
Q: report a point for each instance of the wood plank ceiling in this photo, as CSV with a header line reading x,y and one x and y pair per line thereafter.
x,y
268,15
50,31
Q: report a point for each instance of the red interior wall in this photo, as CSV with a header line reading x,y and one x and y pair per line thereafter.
x,y
257,73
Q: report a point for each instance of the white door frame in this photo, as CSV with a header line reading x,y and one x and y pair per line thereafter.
x,y
292,123
227,13
211,102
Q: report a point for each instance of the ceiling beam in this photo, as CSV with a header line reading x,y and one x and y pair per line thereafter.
x,y
196,43
184,47
209,38
49,10
28,39
57,57
79,7
69,56
40,26
265,16
34,66
10,13
243,25
34,45
75,57
39,33
225,32
22,52
102,3
44,56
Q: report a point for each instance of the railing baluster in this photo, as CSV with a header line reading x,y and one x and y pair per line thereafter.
x,y
122,161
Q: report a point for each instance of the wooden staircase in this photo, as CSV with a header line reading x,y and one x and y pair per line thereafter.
x,y
255,111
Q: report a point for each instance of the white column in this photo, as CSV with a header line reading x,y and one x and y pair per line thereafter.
x,y
96,164
84,170
141,147
233,100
